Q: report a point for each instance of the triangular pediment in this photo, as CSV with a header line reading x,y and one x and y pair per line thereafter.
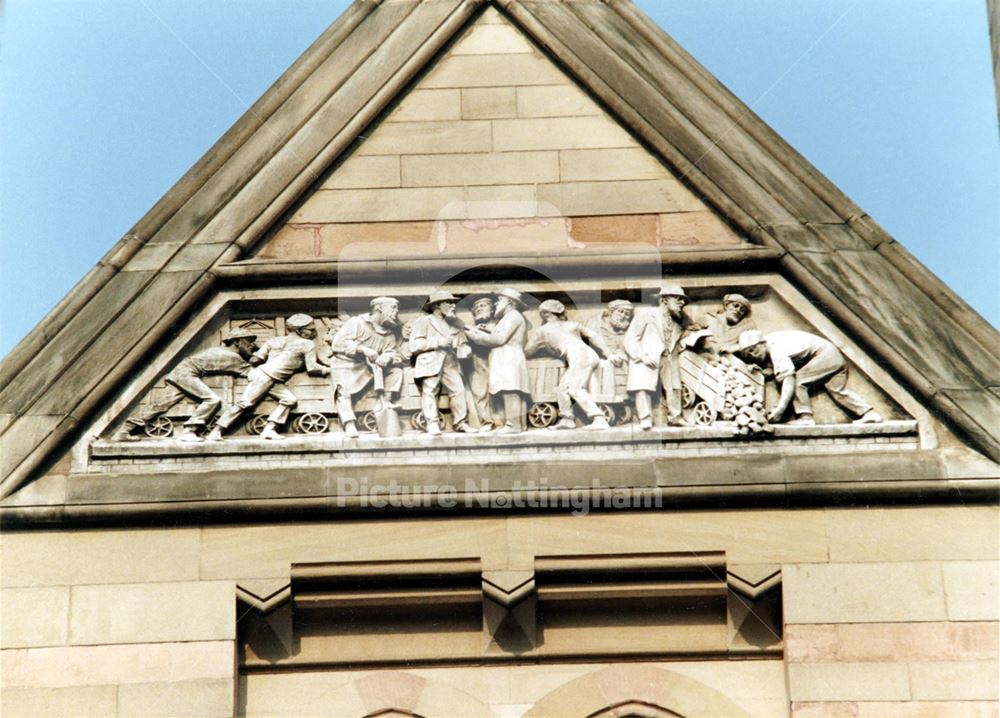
x,y
568,151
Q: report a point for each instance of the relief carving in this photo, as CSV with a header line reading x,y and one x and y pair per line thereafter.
x,y
495,373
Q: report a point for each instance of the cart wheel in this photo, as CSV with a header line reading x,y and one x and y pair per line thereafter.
x,y
687,397
542,415
159,428
417,421
704,415
627,415
367,422
257,424
312,423
609,413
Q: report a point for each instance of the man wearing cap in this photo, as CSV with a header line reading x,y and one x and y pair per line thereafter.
x,y
612,324
364,345
186,381
727,325
566,340
436,345
483,319
273,364
800,360
508,366
653,344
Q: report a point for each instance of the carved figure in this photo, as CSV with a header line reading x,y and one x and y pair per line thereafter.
x,y
566,340
800,360
654,344
479,380
612,325
727,325
437,345
185,381
273,364
364,353
508,366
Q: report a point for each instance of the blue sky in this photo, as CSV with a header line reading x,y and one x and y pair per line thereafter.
x,y
106,103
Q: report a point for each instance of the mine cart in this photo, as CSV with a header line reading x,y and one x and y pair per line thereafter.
x,y
607,386
721,387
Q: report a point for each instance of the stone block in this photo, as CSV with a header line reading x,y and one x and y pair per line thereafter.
x,y
914,534
863,593
78,702
623,163
67,666
848,681
399,138
562,133
59,558
615,229
292,241
903,642
555,101
682,230
491,202
509,168
428,106
375,238
824,710
927,709
369,205
492,40
145,613
971,590
633,197
489,103
954,680
32,617
493,71
365,172
210,699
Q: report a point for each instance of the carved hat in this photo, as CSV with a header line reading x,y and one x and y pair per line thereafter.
x,y
513,295
298,321
620,304
672,290
238,333
482,298
737,299
438,297
552,306
750,338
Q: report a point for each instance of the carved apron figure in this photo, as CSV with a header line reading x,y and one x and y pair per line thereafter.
x,y
565,339
274,364
437,345
800,360
653,345
508,366
185,381
364,353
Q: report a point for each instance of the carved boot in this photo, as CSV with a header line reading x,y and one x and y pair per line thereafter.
x,y
597,423
802,420
270,432
564,423
646,424
351,429
869,417
215,434
188,435
433,428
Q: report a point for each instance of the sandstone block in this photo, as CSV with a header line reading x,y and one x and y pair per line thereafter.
x,y
863,593
33,617
143,613
637,197
211,699
682,230
397,138
555,101
493,71
848,681
489,103
367,205
428,106
364,172
78,702
564,133
972,590
624,163
954,680
492,40
509,168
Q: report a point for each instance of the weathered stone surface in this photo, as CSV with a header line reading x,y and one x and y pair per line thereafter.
x,y
568,133
633,197
555,101
629,163
31,617
365,172
211,699
863,593
493,71
150,612
489,103
954,680
484,39
896,709
887,642
480,169
848,681
79,702
428,106
400,138
972,590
